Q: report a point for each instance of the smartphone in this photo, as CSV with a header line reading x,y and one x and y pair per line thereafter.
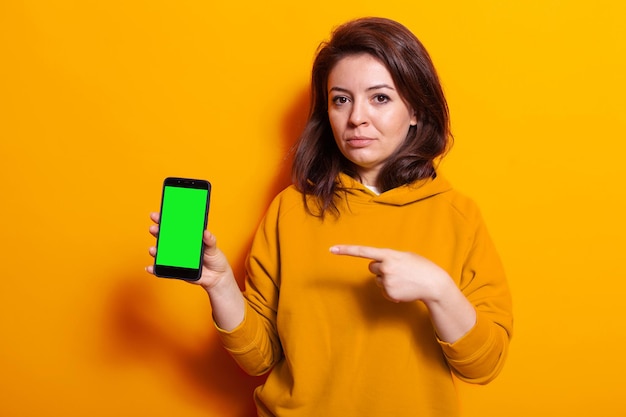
x,y
184,215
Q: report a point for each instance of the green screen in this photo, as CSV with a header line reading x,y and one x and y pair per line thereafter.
x,y
181,227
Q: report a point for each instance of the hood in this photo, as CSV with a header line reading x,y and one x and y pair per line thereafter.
x,y
399,196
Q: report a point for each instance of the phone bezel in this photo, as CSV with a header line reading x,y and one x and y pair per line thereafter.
x,y
168,271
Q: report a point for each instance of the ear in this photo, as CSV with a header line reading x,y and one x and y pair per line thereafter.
x,y
414,119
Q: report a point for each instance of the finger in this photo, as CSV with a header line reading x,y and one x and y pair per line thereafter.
x,y
379,281
152,251
374,268
155,216
376,254
154,230
210,243
150,269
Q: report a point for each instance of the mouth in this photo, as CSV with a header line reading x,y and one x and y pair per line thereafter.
x,y
359,141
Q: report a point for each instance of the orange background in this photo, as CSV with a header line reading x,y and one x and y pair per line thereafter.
x,y
99,101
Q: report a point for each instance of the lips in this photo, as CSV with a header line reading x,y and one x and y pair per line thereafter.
x,y
359,141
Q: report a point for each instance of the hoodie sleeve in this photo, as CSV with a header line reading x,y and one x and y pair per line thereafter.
x,y
479,355
255,344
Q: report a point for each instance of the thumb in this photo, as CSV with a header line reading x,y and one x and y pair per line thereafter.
x,y
214,260
210,243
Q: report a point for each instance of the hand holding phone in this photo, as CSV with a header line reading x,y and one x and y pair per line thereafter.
x,y
184,216
217,279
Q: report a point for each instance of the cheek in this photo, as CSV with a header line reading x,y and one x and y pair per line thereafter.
x,y
335,124
398,124
333,117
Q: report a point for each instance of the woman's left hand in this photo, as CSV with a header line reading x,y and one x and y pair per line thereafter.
x,y
407,277
403,276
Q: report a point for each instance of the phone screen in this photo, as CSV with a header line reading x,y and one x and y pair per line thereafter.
x,y
184,213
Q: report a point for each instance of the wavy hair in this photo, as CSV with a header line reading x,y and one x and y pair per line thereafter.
x,y
318,160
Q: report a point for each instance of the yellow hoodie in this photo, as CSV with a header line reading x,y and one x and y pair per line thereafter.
x,y
334,345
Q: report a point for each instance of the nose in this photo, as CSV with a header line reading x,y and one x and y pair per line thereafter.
x,y
358,114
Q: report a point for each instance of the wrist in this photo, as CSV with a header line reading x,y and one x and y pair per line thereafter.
x,y
442,287
217,286
227,303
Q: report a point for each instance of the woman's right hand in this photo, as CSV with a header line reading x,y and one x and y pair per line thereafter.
x,y
215,266
217,279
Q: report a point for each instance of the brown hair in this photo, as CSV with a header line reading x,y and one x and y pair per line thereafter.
x,y
317,159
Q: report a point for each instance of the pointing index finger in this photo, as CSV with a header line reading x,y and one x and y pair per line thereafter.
x,y
376,254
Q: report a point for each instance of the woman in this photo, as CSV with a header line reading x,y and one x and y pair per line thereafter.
x,y
370,281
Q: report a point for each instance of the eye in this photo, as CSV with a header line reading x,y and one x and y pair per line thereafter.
x,y
339,100
381,98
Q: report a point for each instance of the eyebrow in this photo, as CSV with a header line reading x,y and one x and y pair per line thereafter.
x,y
374,87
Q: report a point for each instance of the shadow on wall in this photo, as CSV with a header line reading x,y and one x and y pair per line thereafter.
x,y
138,332
141,332
294,121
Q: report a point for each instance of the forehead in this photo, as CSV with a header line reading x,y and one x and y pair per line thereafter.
x,y
360,70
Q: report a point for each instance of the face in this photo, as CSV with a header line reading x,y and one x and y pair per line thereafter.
x,y
368,117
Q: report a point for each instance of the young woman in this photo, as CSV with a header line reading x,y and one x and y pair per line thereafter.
x,y
370,280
